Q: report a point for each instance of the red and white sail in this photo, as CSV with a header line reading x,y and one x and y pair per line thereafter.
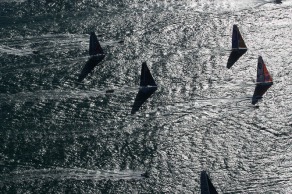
x,y
263,75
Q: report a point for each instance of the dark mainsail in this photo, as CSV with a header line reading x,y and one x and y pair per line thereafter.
x,y
206,185
147,88
146,77
96,56
238,47
94,46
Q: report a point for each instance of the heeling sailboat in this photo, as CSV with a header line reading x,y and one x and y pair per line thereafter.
x,y
94,45
147,87
96,56
264,81
146,78
278,1
238,47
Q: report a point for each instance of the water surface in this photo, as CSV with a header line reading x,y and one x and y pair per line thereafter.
x,y
58,136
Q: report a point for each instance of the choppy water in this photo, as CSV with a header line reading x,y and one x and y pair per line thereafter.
x,y
61,137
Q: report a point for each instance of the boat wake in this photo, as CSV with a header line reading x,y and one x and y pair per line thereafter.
x,y
227,5
60,94
13,51
59,173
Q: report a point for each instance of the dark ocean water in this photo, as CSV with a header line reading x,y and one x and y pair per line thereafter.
x,y
57,136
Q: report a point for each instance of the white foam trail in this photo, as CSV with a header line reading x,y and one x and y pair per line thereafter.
x,y
220,6
10,1
72,173
14,51
61,94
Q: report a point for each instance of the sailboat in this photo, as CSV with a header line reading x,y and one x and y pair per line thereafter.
x,y
96,56
264,81
238,47
94,45
147,87
278,1
146,79
206,185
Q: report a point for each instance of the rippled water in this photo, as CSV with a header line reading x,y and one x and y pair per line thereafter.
x,y
61,137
